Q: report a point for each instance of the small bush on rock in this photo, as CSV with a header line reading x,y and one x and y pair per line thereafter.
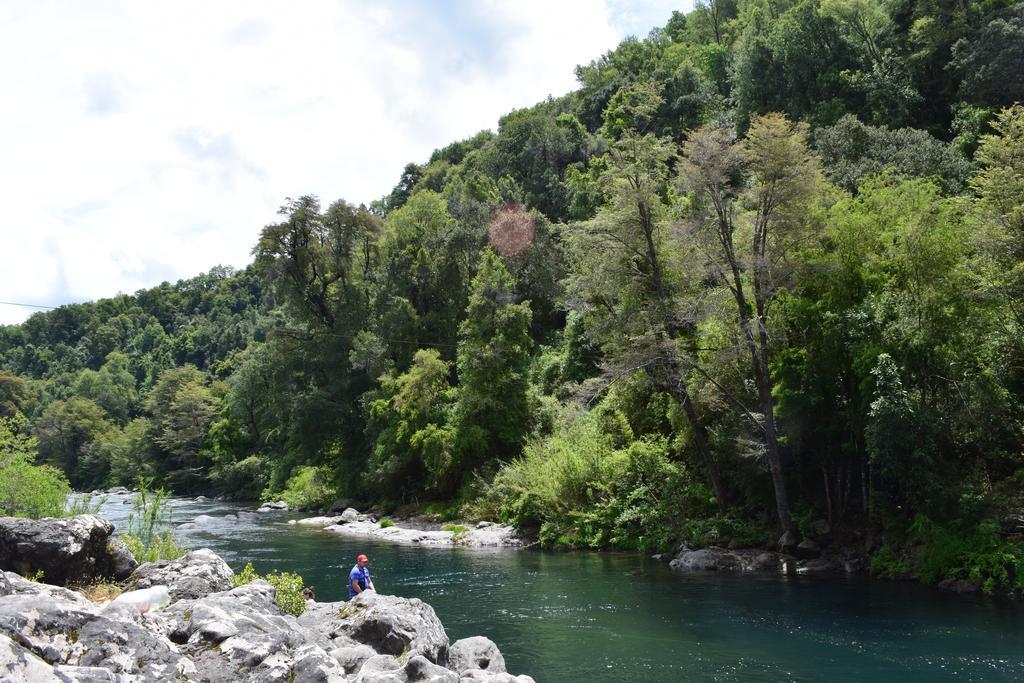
x,y
288,588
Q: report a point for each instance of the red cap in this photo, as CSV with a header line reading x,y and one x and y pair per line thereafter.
x,y
362,558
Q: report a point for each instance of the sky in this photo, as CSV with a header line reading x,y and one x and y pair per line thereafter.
x,y
144,142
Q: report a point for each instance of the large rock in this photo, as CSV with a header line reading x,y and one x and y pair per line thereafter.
x,y
67,550
194,575
61,627
476,652
721,560
243,629
389,624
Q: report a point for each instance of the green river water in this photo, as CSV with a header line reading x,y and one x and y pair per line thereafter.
x,y
624,617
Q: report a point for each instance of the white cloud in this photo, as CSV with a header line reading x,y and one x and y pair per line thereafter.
x,y
145,141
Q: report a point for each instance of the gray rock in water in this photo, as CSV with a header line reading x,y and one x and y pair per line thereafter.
x,y
198,573
67,550
349,515
960,586
819,565
807,549
721,560
787,543
476,652
855,565
482,676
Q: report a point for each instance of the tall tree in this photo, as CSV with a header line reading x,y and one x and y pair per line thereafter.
x,y
782,179
492,412
624,274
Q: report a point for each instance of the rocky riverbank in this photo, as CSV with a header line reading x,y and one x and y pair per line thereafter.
x,y
353,524
184,620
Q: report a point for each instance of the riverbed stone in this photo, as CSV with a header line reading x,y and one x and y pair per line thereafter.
x,y
320,522
820,565
349,515
807,549
716,559
67,550
197,573
476,652
483,676
960,586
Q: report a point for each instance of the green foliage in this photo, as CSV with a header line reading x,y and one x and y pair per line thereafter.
x,y
456,529
657,324
26,489
147,533
491,412
309,488
581,490
385,523
287,587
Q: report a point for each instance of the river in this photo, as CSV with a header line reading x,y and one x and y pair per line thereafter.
x,y
623,617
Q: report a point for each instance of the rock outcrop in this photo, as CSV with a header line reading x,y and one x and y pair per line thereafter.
x,y
352,524
722,560
193,575
210,632
67,550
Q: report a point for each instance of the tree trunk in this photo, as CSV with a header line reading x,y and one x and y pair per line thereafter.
x,y
696,426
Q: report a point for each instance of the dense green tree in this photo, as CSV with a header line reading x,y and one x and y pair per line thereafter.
x,y
112,387
492,410
783,182
27,489
65,430
408,422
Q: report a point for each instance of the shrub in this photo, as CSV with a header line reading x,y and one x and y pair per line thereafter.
x,y
147,533
26,489
965,550
456,529
385,523
587,486
287,586
309,487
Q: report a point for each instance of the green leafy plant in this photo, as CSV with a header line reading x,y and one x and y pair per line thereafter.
x,y
84,504
147,533
456,529
287,586
26,489
309,487
385,523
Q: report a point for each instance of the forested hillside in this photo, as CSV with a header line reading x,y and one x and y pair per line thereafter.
x,y
761,273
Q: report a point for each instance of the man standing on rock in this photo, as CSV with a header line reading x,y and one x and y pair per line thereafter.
x,y
359,578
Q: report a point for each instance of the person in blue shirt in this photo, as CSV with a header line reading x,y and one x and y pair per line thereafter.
x,y
359,578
